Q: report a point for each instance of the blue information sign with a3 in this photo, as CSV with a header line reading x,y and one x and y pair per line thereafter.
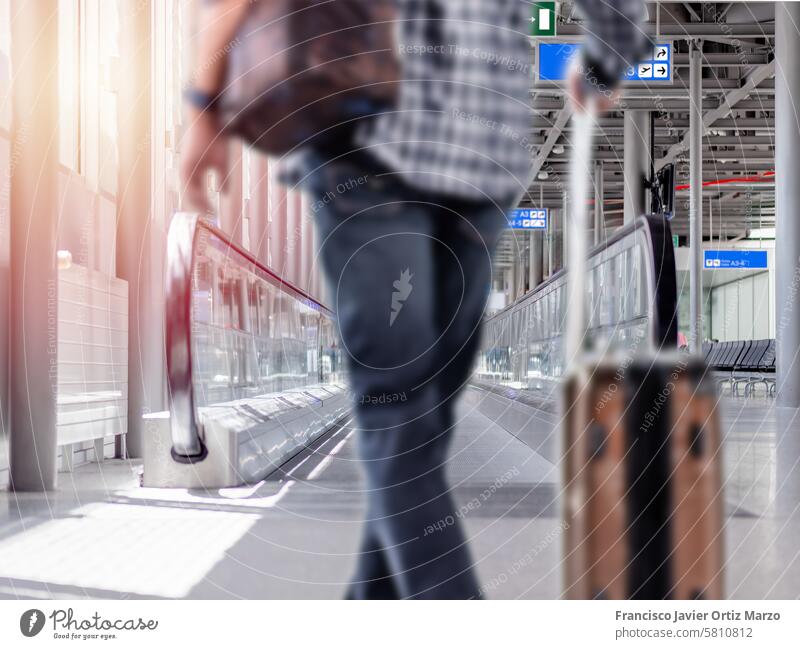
x,y
554,59
528,218
742,259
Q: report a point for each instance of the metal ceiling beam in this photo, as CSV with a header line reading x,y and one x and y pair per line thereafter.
x,y
555,131
733,60
722,158
612,124
755,78
652,4
666,140
741,193
717,161
739,43
543,104
615,184
730,166
692,12
678,87
570,31
724,12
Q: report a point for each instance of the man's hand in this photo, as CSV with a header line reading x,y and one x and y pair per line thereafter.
x,y
203,149
579,93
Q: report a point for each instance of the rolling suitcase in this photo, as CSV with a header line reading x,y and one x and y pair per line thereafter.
x,y
642,499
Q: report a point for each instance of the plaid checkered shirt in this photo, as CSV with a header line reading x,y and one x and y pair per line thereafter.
x,y
462,123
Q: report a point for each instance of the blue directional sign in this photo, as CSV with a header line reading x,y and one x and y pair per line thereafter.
x,y
553,63
656,67
742,259
528,219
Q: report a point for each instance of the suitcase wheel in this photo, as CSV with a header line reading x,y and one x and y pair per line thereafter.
x,y
597,441
696,440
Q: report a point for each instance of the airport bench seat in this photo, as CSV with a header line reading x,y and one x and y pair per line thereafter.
x,y
742,362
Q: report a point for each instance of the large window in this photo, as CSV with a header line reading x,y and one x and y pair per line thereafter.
x,y
88,44
109,56
5,65
69,84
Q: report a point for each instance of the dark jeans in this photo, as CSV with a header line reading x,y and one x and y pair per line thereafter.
x,y
410,273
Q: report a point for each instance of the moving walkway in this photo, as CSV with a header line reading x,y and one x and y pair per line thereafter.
x,y
632,305
254,369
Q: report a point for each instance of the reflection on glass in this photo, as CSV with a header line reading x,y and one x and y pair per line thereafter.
x,y
251,334
107,97
523,344
68,83
5,65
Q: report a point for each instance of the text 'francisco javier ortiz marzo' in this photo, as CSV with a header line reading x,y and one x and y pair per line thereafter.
x,y
697,616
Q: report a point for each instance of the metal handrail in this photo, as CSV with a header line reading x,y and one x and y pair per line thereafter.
x,y
663,315
184,233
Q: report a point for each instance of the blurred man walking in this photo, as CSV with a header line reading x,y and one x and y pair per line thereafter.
x,y
416,199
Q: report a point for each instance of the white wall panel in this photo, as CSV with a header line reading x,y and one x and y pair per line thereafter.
x,y
762,310
732,311
746,309
742,310
92,357
718,315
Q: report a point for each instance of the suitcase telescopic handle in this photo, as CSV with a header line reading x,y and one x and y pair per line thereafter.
x,y
577,228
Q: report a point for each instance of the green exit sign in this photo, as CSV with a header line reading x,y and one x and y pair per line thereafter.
x,y
543,19
675,241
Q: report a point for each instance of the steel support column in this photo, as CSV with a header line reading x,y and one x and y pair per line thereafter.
x,y
551,229
695,198
140,228
231,201
564,235
787,199
296,243
598,201
636,163
291,248
277,223
534,259
306,245
33,315
258,208
513,277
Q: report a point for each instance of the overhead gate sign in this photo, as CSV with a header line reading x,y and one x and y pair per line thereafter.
x,y
741,259
553,59
528,219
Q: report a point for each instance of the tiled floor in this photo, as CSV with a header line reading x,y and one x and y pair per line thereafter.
x,y
101,535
